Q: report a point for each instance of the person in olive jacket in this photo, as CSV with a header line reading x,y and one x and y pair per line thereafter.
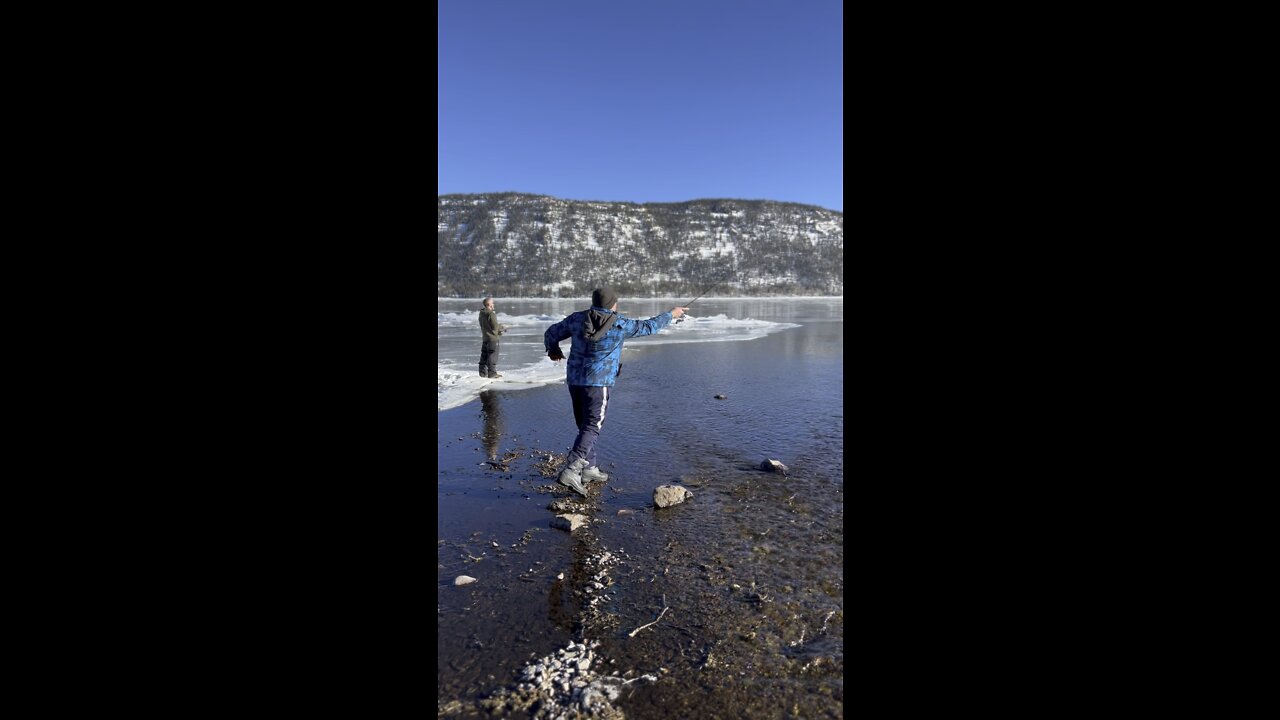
x,y
490,330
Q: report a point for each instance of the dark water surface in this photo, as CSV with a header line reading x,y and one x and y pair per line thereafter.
x,y
750,567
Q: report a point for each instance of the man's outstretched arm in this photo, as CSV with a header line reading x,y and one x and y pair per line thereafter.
x,y
640,328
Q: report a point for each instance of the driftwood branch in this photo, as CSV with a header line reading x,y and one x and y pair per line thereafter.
x,y
655,621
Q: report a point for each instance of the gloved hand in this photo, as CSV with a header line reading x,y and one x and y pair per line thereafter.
x,y
555,354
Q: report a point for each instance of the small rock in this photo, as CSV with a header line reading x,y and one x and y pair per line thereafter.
x,y
560,576
722,397
570,522
668,495
773,466
626,511
463,580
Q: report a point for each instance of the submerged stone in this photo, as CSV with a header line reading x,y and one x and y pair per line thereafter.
x,y
668,495
570,522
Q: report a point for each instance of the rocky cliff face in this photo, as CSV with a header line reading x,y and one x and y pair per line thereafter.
x,y
537,246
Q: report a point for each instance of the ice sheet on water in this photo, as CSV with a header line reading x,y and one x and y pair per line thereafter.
x,y
471,319
523,364
716,323
714,328
459,384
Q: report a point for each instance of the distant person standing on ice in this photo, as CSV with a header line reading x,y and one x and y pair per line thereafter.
x,y
595,356
490,330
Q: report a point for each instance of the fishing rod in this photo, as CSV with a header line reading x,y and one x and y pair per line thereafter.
x,y
686,305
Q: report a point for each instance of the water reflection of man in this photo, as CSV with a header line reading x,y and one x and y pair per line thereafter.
x,y
492,422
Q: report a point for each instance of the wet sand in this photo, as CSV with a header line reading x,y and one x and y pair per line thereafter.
x,y
750,568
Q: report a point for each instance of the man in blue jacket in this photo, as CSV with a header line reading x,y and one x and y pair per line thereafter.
x,y
595,355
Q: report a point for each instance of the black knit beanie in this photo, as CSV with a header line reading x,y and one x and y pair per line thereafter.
x,y
604,297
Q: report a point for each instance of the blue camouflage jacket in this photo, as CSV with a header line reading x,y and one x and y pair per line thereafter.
x,y
596,362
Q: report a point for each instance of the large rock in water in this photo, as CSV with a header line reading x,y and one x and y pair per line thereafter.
x,y
569,522
773,466
463,580
668,495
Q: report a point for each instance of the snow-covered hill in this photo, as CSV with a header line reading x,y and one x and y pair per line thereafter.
x,y
521,245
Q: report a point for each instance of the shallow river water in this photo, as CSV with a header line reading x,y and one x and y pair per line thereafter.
x,y
749,570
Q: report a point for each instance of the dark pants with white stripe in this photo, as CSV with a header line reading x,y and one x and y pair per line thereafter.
x,y
589,405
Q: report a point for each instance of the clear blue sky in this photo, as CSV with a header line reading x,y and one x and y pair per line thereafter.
x,y
644,101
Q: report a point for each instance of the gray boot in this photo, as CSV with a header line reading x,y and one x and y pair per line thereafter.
x,y
595,474
571,476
